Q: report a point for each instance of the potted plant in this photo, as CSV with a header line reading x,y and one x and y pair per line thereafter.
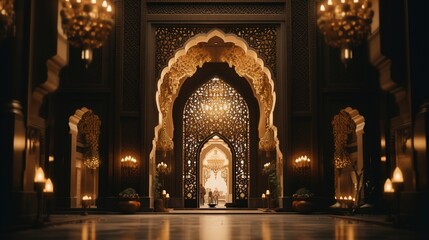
x,y
273,183
302,201
129,201
157,188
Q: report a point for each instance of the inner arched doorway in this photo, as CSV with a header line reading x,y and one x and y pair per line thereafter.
x,y
215,101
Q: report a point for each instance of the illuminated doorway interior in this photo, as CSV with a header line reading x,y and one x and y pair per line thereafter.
x,y
216,171
216,115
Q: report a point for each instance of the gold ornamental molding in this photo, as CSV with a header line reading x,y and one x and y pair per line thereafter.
x,y
194,54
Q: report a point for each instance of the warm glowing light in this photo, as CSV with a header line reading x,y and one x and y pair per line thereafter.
x,y
86,197
388,187
345,24
129,162
87,24
263,195
162,167
302,162
164,192
39,177
383,158
267,192
397,176
49,186
167,195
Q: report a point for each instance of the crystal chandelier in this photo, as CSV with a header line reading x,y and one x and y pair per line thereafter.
x,y
87,24
6,18
217,101
215,164
345,24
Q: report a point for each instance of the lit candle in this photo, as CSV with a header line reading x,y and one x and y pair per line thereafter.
x,y
164,192
388,187
397,176
263,195
267,192
49,187
167,195
39,176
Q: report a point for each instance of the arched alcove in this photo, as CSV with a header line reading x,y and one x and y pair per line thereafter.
x,y
348,133
84,160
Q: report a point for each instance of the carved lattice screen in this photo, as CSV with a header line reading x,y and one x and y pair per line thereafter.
x,y
216,108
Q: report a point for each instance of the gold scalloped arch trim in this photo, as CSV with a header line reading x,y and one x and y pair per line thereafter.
x,y
194,54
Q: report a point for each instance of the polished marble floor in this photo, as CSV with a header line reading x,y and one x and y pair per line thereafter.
x,y
216,225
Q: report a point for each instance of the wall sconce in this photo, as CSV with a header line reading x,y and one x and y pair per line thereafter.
x,y
302,166
129,162
162,168
129,171
39,185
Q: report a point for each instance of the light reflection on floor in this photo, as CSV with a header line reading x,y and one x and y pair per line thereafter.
x,y
215,227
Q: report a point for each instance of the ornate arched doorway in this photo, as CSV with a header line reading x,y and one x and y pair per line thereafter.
x,y
231,52
215,108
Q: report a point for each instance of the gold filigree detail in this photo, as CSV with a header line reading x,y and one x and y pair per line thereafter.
x,y
164,143
89,127
268,142
343,128
184,67
247,67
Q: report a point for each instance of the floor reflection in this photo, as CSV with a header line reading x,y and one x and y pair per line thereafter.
x,y
216,226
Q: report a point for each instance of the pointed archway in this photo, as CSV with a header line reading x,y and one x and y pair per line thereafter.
x,y
205,48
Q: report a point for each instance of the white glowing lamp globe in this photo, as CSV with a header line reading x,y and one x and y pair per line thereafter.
x,y
388,187
397,176
49,186
39,176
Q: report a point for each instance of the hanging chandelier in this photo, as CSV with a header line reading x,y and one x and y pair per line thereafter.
x,y
87,24
7,15
215,165
345,24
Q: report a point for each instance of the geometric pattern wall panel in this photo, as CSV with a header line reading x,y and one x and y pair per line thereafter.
x,y
216,108
131,64
216,8
262,39
300,57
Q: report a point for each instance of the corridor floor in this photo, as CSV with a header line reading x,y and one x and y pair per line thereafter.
x,y
216,226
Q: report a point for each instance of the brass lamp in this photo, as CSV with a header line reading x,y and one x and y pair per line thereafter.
x,y
345,24
87,24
